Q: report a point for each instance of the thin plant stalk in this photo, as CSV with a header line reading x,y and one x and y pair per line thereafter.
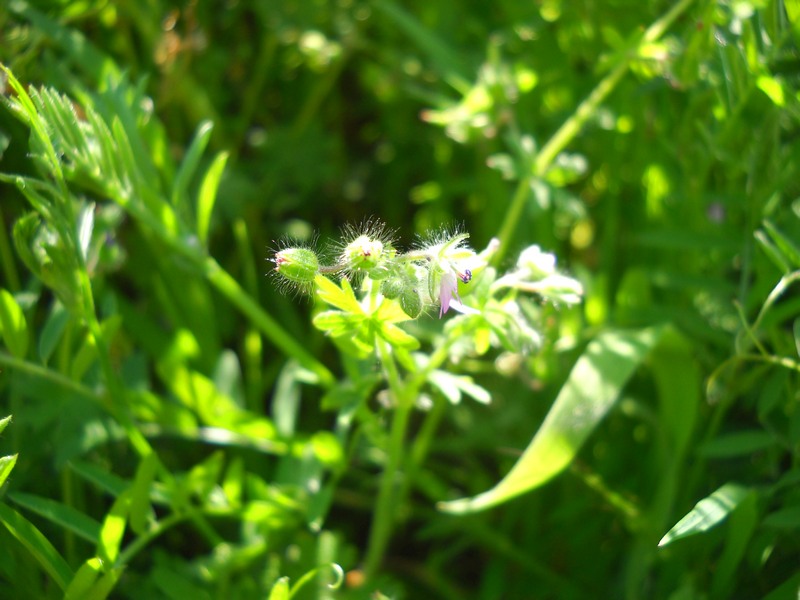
x,y
573,126
388,498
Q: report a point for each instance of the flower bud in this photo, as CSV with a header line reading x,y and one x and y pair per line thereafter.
x,y
297,265
363,253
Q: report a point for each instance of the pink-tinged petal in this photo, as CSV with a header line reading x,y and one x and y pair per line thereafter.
x,y
448,288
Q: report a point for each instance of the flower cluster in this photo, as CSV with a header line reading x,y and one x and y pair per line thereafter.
x,y
427,275
433,273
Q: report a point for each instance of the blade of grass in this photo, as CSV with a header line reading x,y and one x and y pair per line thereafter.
x,y
707,513
62,515
589,393
38,545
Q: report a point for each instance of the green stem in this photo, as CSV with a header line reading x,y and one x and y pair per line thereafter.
x,y
115,389
7,259
40,372
231,289
388,498
572,126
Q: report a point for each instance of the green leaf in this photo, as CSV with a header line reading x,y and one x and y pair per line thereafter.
x,y
280,591
190,161
52,330
793,12
397,337
101,479
744,520
286,399
772,251
4,422
796,331
85,229
208,195
102,588
785,518
740,443
6,462
113,529
86,585
62,515
789,588
390,311
707,513
84,579
14,326
772,88
590,391
24,233
790,251
452,386
6,466
337,323
38,545
141,509
342,297
72,43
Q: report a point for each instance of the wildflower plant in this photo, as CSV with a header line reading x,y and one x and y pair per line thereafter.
x,y
371,288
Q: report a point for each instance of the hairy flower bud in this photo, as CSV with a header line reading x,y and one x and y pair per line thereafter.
x,y
297,265
363,253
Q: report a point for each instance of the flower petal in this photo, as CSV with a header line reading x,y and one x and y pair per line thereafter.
x,y
448,288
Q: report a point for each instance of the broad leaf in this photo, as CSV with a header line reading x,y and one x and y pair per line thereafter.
x,y
590,391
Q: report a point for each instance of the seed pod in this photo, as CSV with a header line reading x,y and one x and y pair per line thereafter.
x,y
393,287
411,302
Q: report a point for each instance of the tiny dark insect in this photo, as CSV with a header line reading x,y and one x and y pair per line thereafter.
x,y
466,276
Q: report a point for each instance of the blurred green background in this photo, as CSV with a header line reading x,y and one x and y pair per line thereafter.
x,y
676,203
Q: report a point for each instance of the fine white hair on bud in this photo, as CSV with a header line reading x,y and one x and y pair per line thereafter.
x,y
296,267
367,248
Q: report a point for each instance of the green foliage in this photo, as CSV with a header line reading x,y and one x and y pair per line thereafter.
x,y
182,427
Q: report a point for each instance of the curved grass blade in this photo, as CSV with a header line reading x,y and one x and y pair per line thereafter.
x,y
38,545
590,391
62,515
707,513
207,195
